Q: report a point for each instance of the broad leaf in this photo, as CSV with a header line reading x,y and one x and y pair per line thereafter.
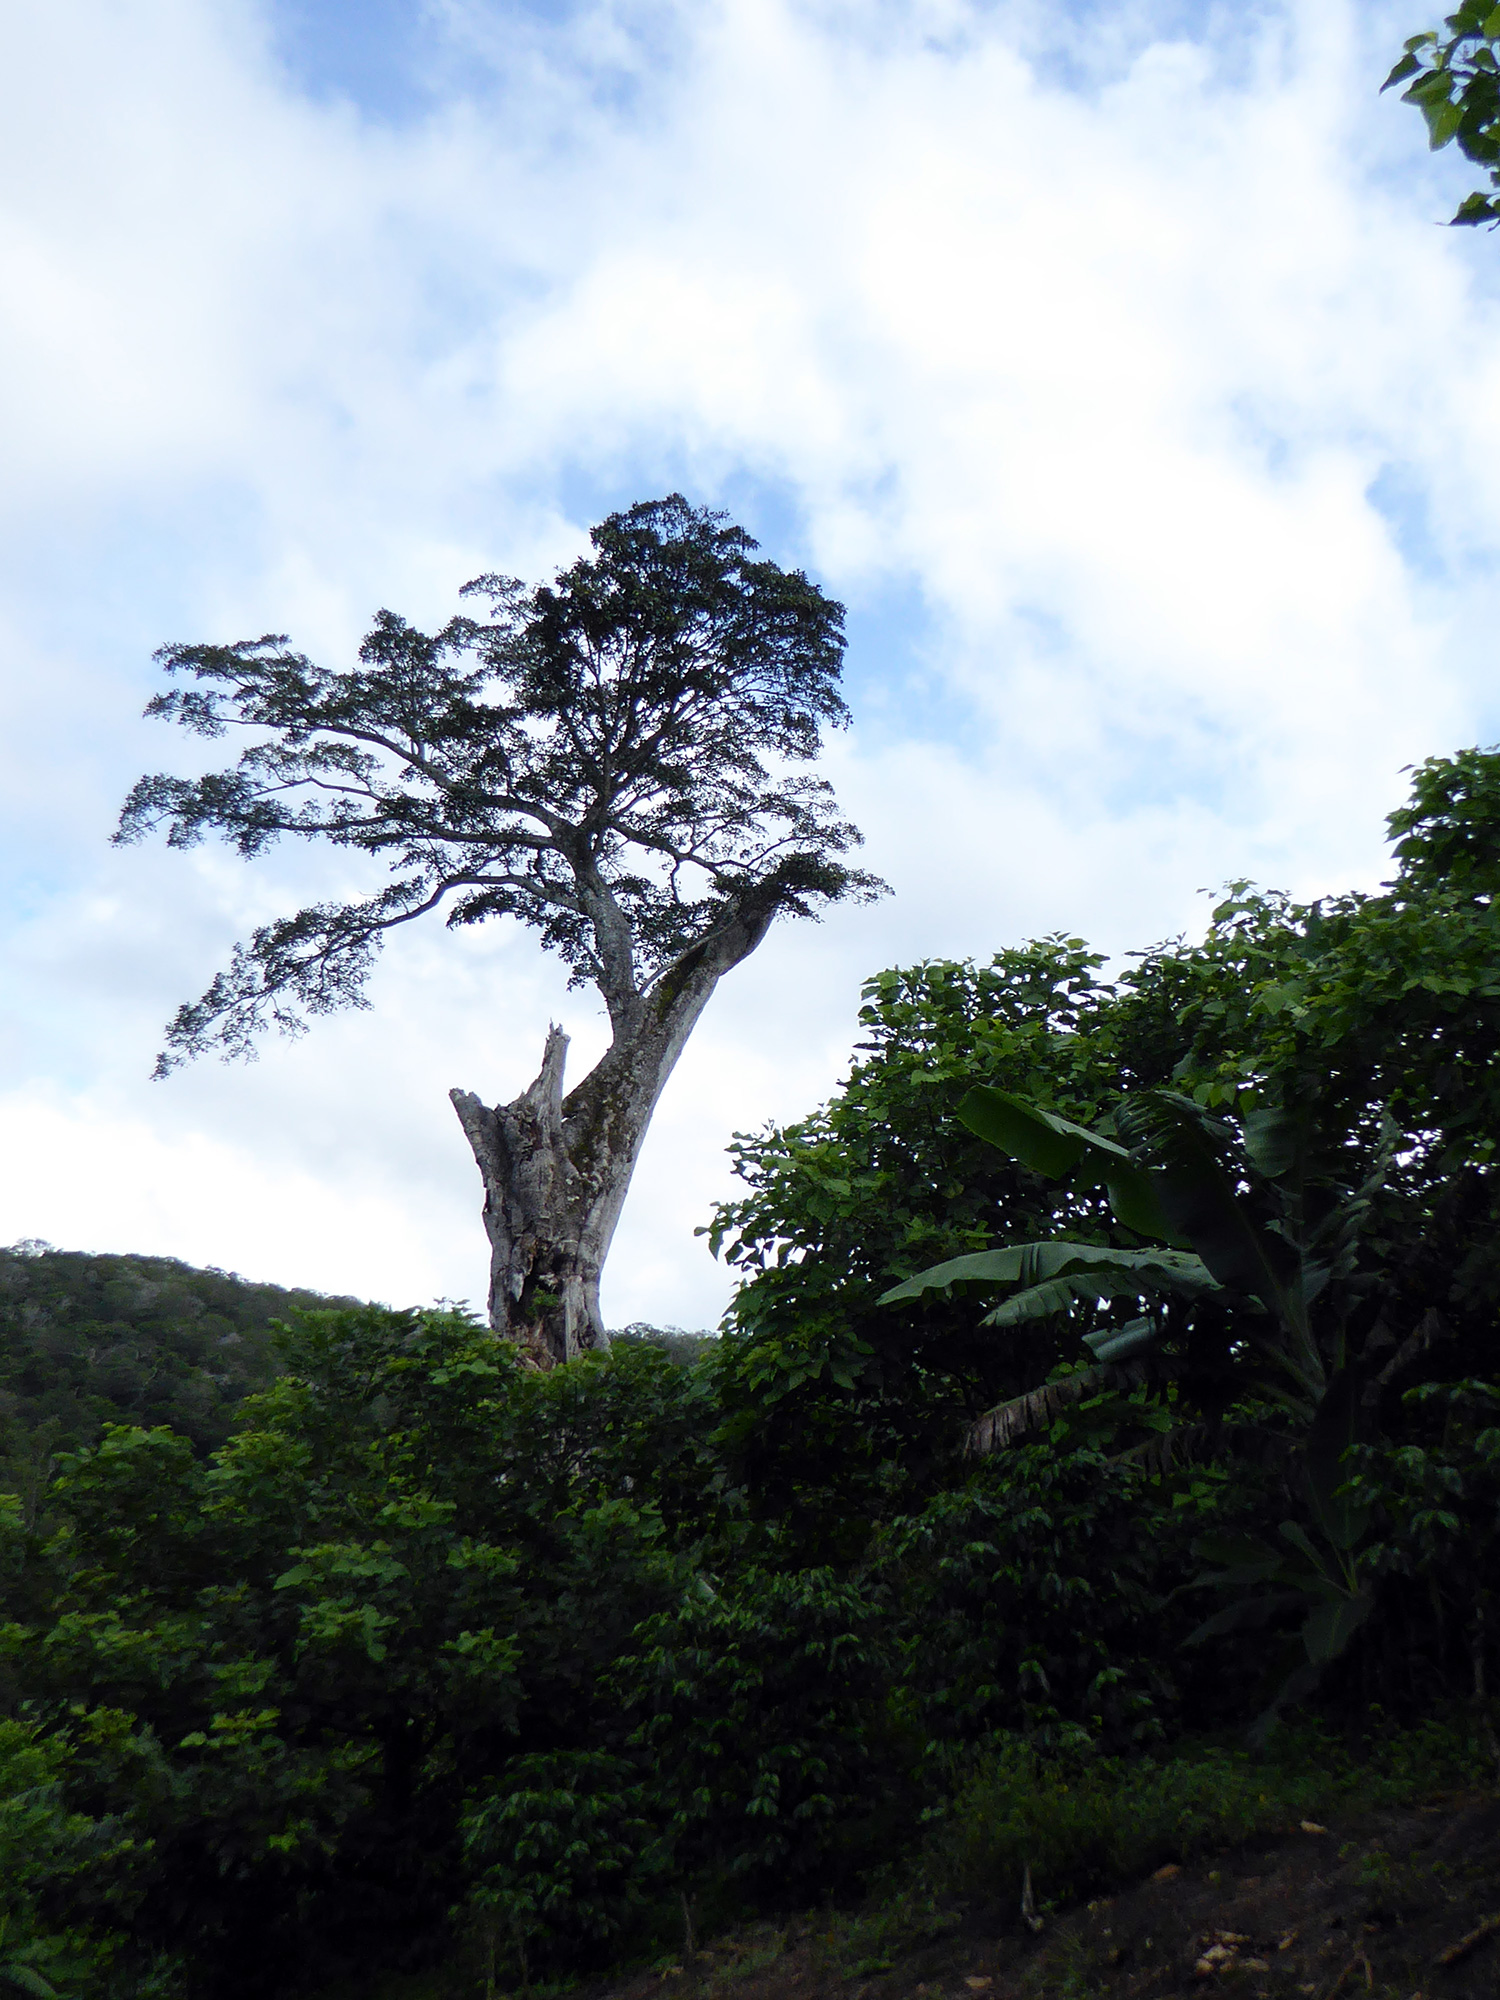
x,y
1114,1271
1239,1555
1273,1139
1055,1146
1443,120
1038,1139
1133,1197
1203,1205
1119,1343
1246,1614
1408,66
1036,1302
1297,1535
986,1267
26,1979
1330,1628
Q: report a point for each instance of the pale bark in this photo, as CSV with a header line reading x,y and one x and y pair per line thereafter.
x,y
556,1169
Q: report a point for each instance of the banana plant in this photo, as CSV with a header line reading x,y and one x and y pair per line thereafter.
x,y
1053,1275
1320,1577
1177,1175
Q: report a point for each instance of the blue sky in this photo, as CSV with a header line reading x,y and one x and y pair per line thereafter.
x,y
1109,362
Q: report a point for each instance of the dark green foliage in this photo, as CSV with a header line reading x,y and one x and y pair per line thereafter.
x,y
64,1877
831,1397
557,1852
761,1698
90,1340
439,1647
1270,1273
410,1567
438,1659
1085,1824
1033,1602
1434,1539
1309,1095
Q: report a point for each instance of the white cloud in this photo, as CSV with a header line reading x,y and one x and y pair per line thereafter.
x,y
1092,334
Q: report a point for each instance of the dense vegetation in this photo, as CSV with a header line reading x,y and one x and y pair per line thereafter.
x,y
90,1340
443,1665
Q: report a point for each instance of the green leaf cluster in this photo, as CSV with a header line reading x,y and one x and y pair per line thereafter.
x,y
440,1655
1453,78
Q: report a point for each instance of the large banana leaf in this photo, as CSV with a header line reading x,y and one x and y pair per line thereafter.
x,y
1275,1139
1055,1147
1329,1629
1038,1139
1090,1270
1118,1343
1057,1294
1040,1302
1204,1206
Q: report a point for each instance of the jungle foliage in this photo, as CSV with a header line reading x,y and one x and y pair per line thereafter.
x,y
89,1340
440,1661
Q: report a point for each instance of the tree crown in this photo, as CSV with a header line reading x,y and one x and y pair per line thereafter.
x,y
603,758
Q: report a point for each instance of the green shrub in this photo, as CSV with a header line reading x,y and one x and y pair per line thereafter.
x,y
1082,1824
760,1703
558,1851
1030,1600
66,1881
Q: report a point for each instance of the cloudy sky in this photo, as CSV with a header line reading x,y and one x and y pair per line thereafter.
x,y
1105,358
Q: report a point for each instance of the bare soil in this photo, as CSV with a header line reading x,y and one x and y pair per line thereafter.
x,y
1399,1904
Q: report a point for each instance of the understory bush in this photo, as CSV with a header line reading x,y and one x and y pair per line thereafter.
x,y
1077,1824
439,1646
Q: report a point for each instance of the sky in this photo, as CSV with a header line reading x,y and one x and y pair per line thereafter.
x,y
1108,360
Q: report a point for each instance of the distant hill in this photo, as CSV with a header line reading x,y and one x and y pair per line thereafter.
x,y
683,1348
89,1340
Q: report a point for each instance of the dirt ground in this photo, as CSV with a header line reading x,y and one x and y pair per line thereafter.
x,y
1402,1905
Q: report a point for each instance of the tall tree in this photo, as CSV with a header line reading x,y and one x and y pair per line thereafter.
x,y
604,758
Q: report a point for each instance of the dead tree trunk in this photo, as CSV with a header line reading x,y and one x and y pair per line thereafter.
x,y
556,1169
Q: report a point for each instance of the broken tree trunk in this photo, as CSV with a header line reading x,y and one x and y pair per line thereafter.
x,y
556,1169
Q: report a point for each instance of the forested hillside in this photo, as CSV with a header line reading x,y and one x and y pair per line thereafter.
x,y
89,1340
93,1339
1101,1463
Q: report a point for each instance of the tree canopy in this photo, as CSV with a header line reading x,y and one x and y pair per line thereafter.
x,y
602,758
89,1340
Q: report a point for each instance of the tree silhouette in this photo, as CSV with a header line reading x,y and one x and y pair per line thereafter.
x,y
604,758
